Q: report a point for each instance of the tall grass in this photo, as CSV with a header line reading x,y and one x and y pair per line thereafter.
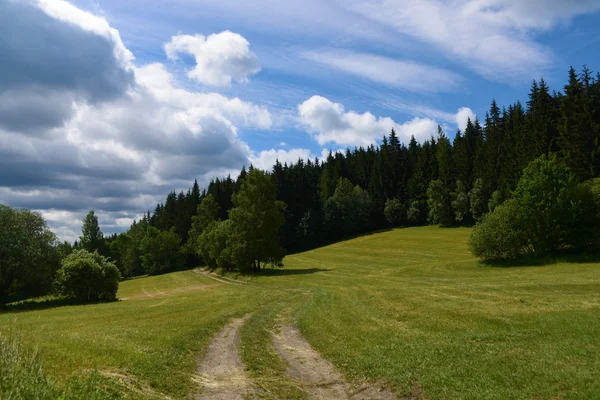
x,y
22,377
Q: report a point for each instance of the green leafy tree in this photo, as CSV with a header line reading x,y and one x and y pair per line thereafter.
x,y
395,212
212,245
416,212
92,238
547,204
439,203
160,251
477,200
257,218
460,202
496,199
88,276
28,254
207,212
64,249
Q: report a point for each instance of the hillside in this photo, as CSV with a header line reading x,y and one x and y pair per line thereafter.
x,y
407,308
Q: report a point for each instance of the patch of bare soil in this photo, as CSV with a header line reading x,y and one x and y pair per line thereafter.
x,y
221,374
317,375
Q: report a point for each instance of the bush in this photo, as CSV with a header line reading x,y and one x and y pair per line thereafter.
x,y
394,212
498,235
88,276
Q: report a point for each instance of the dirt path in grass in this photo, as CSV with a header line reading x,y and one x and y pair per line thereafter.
x,y
221,279
221,374
317,375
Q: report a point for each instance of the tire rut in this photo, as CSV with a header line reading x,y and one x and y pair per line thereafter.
x,y
221,374
316,374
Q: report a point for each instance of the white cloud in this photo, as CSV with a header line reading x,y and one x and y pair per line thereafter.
x,y
220,58
462,117
112,136
66,12
330,123
266,158
403,74
493,37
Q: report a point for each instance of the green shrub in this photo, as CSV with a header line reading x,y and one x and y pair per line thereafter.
x,y
88,276
498,235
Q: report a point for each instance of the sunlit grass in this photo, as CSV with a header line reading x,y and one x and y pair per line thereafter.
x,y
408,306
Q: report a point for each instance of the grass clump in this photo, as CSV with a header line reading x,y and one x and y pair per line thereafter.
x,y
22,377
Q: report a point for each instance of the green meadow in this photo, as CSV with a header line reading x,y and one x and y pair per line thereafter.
x,y
408,307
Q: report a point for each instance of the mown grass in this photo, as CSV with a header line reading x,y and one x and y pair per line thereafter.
x,y
410,307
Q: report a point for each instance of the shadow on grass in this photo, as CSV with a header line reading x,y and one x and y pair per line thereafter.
x,y
33,305
531,260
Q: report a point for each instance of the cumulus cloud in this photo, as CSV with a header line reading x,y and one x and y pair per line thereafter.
x,y
266,159
407,75
496,38
220,58
331,123
462,117
82,127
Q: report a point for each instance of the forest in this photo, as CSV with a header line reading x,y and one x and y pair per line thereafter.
x,y
311,203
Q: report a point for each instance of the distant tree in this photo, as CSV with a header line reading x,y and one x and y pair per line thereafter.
x,y
28,254
395,212
416,212
207,212
88,276
257,218
119,249
64,249
160,251
91,238
477,200
439,203
212,245
444,157
460,202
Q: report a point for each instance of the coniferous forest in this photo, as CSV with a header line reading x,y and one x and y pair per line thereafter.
x,y
446,181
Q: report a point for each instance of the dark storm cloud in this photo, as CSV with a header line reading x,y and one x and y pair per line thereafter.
x,y
46,63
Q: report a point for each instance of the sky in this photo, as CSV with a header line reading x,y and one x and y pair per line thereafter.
x,y
108,105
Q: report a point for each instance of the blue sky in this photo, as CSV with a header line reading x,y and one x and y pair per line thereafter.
x,y
110,104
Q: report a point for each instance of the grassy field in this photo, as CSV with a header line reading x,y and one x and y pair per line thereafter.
x,y
410,307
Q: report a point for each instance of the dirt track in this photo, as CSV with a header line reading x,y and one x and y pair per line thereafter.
x,y
221,373
317,375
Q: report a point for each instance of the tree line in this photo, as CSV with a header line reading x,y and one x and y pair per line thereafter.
x,y
247,222
440,181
